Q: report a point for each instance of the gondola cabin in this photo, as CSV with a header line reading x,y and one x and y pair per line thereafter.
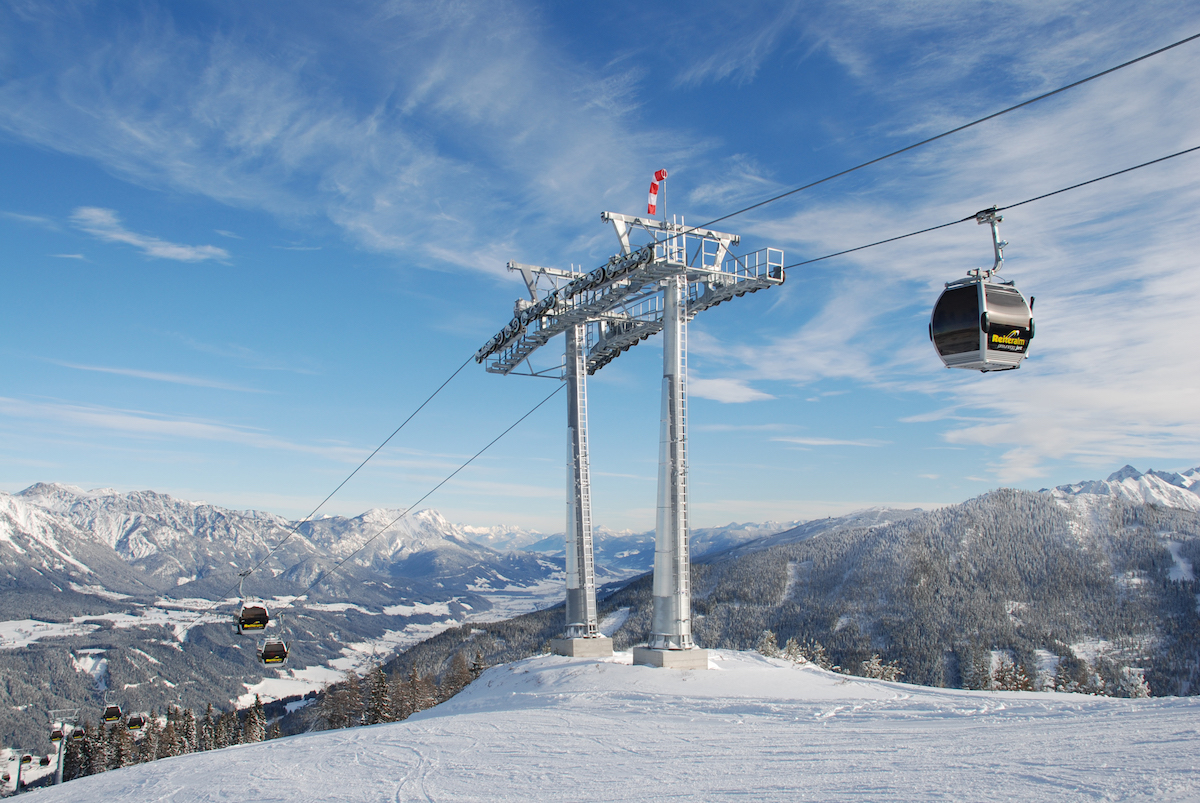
x,y
252,617
56,735
44,761
78,734
272,651
136,722
112,713
981,324
26,759
5,778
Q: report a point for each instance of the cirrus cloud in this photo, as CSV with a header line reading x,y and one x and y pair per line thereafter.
x,y
104,224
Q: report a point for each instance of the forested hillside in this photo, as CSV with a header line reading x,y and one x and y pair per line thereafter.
x,y
1073,591
1084,595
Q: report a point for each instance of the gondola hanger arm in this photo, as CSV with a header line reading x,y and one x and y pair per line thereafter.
x,y
988,217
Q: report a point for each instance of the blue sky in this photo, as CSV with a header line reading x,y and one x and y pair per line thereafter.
x,y
245,240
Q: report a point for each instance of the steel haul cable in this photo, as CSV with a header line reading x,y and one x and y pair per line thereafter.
x,y
428,493
957,129
997,209
296,527
963,127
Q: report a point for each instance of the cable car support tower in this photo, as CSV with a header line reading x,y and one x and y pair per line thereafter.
x,y
641,291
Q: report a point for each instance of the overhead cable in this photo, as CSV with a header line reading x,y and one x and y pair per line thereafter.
x,y
430,492
944,134
296,527
997,209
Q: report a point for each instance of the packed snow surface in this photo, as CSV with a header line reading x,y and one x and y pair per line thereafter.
x,y
750,728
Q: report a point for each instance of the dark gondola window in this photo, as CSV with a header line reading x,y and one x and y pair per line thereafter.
x,y
956,321
253,618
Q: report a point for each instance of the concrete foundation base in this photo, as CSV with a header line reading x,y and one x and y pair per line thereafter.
x,y
582,647
671,659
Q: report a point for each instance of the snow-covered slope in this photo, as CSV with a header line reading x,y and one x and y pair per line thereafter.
x,y
1165,488
751,728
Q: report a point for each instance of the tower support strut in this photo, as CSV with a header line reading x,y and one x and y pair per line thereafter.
x,y
671,642
581,568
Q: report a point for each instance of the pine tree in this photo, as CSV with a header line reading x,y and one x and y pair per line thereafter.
x,y
977,674
254,727
424,691
149,745
379,699
814,651
123,754
876,668
457,677
169,744
188,738
402,697
340,706
794,652
225,730
767,645
206,737
1023,679
1004,676
275,732
353,699
76,763
100,748
477,664
232,727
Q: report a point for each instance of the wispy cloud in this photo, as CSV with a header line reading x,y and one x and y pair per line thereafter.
x,y
748,34
241,354
729,391
228,234
32,220
621,476
141,423
104,224
830,442
454,137
742,427
68,256
156,376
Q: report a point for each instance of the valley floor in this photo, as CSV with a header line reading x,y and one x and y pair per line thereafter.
x,y
751,728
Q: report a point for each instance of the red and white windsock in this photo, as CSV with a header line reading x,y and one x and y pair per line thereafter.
x,y
652,205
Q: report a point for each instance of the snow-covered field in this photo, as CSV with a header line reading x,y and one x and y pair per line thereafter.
x,y
553,728
180,615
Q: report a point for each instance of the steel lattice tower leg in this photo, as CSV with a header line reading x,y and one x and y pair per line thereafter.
x,y
581,575
671,628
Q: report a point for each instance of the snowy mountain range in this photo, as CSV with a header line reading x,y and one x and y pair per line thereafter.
x,y
106,589
1165,488
70,537
622,553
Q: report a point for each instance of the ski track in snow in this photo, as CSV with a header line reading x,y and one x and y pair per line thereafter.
x,y
561,729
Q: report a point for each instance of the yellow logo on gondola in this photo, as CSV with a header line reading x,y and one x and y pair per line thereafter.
x,y
1013,338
